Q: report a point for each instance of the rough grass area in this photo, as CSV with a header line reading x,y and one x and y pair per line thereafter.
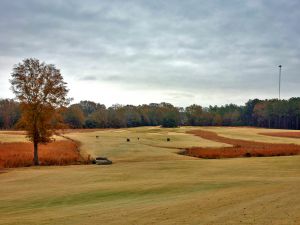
x,y
252,134
240,148
20,154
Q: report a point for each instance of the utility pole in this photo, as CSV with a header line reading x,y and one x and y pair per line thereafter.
x,y
279,79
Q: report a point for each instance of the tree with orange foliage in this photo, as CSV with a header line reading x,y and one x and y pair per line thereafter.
x,y
41,90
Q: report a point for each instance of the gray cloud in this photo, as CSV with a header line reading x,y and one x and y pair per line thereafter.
x,y
88,78
200,50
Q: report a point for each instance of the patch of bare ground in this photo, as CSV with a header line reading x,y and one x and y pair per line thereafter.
x,y
240,148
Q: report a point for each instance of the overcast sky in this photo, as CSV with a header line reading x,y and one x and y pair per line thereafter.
x,y
134,52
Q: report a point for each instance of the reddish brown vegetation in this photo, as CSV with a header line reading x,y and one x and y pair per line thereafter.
x,y
55,153
283,134
241,148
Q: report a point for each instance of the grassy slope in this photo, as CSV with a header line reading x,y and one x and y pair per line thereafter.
x,y
140,189
253,134
12,137
152,144
17,136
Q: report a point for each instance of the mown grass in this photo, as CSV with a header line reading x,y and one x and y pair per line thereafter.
x,y
96,196
169,192
18,136
12,136
152,143
154,185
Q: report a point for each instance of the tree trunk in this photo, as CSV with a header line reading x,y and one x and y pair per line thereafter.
x,y
36,155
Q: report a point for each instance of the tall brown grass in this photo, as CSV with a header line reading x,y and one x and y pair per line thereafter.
x,y
55,153
240,148
282,134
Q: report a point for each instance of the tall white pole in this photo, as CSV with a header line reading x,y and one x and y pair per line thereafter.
x,y
279,79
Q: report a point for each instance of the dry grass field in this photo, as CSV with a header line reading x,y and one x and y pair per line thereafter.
x,y
17,151
239,148
254,134
149,183
283,134
20,154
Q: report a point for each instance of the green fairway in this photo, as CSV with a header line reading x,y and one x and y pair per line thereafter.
x,y
149,183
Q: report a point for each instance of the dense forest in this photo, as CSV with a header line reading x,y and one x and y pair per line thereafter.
x,y
271,113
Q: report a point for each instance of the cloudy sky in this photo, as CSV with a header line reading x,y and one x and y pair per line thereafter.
x,y
134,52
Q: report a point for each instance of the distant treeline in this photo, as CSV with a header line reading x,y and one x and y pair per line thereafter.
x,y
272,113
